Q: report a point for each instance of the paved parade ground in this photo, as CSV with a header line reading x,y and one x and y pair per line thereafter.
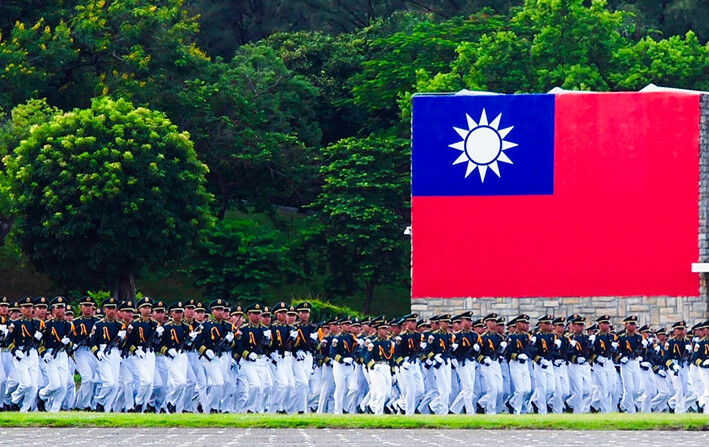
x,y
176,437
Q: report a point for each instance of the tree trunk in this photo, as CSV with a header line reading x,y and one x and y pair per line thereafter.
x,y
126,288
369,295
5,226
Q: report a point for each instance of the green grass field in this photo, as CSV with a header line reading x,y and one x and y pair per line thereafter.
x,y
555,422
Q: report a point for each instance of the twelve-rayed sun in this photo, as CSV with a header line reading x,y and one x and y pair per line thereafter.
x,y
483,145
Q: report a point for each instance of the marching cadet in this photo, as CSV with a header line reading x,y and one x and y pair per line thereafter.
x,y
429,378
143,341
561,366
544,346
327,383
605,345
157,399
677,352
518,355
86,364
410,378
695,399
379,356
127,376
252,344
25,335
211,348
304,345
580,381
56,339
655,354
343,367
7,381
281,354
647,382
174,337
493,346
630,348
441,344
197,396
700,358
107,335
463,360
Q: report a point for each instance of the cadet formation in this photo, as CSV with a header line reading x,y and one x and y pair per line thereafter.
x,y
145,356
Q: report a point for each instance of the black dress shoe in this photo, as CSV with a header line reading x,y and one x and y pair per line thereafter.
x,y
99,408
14,407
41,405
171,409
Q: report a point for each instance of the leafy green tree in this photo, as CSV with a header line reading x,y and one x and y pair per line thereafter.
x,y
253,122
361,214
239,258
102,193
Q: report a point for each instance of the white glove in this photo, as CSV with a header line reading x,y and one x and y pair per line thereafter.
x,y
503,345
695,339
267,333
293,334
99,355
139,352
172,352
253,356
675,367
38,335
557,343
159,330
487,361
314,336
476,347
347,360
580,360
193,335
274,356
209,354
405,365
592,338
46,357
573,343
431,339
546,363
121,334
661,373
65,341
657,348
614,345
705,363
533,340
229,337
646,365
624,360
323,342
645,343
454,346
4,330
640,358
19,355
687,347
429,362
360,342
300,356
558,362
454,362
438,358
423,345
522,357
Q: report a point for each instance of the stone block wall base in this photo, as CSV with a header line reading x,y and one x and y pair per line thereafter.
x,y
656,310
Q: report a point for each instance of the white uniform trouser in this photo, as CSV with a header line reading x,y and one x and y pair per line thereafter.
x,y
57,374
109,372
27,371
506,385
679,382
580,388
561,387
314,384
696,385
283,381
544,383
327,386
704,373
302,369
407,383
664,392
604,376
199,375
176,380
630,374
252,375
492,383
647,388
86,365
464,399
11,382
430,389
159,383
440,403
215,382
125,399
345,386
145,371
380,376
521,384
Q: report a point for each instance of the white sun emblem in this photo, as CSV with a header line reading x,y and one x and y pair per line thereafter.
x,y
483,145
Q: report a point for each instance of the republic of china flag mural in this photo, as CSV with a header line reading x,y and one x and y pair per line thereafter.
x,y
577,194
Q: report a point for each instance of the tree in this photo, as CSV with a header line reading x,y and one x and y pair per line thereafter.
x,y
102,193
361,213
239,258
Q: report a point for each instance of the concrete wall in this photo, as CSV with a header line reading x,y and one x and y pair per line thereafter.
x,y
657,311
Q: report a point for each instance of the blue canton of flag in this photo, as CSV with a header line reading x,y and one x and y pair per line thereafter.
x,y
469,145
